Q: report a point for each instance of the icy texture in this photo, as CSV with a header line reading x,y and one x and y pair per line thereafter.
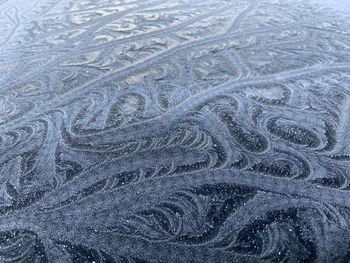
x,y
174,131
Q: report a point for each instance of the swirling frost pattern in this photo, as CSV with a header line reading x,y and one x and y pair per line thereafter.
x,y
174,131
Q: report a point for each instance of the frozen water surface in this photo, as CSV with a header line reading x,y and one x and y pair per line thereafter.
x,y
174,131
